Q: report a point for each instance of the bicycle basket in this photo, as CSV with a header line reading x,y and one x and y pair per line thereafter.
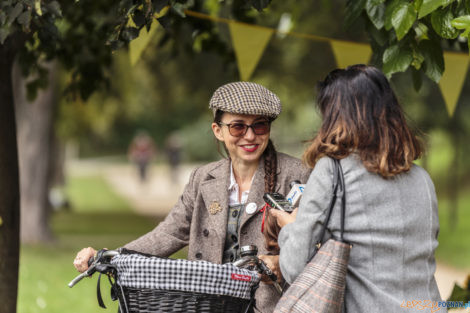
x,y
151,284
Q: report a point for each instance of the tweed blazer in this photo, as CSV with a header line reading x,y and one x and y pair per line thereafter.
x,y
190,222
392,225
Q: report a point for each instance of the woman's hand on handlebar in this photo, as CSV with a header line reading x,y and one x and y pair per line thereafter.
x,y
81,260
271,261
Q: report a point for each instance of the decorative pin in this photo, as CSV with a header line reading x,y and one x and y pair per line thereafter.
x,y
251,208
215,208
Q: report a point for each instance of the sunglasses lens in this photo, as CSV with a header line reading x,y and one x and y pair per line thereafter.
x,y
237,129
261,128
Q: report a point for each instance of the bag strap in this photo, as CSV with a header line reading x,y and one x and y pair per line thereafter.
x,y
338,182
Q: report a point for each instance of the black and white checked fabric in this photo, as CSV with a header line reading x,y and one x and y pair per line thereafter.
x,y
142,272
245,98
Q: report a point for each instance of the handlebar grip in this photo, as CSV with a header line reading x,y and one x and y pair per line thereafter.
x,y
77,279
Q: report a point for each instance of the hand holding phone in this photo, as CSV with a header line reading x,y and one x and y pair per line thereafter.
x,y
278,201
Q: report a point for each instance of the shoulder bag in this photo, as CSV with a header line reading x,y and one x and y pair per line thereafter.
x,y
320,287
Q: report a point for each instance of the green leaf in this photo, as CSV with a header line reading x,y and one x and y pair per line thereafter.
x,y
353,11
376,13
418,58
53,7
380,36
462,22
396,59
388,13
459,294
418,4
441,22
403,17
25,18
433,59
421,31
37,7
14,12
179,9
430,6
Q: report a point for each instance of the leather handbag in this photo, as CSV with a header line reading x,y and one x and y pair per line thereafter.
x,y
320,287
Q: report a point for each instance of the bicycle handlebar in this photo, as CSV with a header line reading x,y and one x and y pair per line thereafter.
x,y
261,266
104,256
101,256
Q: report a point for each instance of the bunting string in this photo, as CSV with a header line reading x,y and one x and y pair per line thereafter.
x,y
250,40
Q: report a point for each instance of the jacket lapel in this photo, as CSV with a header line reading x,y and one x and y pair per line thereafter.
x,y
215,195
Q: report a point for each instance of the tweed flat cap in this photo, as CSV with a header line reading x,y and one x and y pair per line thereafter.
x,y
245,98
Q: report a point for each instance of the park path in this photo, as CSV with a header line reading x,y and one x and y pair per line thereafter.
x,y
160,192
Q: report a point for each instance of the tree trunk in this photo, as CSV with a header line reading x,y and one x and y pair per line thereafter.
x,y
9,184
34,121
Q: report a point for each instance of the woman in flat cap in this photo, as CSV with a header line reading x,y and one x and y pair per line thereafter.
x,y
219,210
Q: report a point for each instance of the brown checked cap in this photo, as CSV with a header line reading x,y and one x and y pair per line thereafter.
x,y
245,98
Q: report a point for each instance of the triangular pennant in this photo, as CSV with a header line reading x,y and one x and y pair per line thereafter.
x,y
452,79
350,53
249,43
137,46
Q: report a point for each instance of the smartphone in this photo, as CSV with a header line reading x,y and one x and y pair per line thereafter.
x,y
278,201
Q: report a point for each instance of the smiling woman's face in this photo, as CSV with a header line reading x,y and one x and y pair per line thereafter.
x,y
247,148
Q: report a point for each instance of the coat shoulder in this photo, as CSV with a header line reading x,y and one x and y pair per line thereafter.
x,y
211,169
292,165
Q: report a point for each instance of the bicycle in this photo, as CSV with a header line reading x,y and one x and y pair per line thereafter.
x,y
145,283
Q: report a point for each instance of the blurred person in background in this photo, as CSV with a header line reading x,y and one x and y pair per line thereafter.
x,y
141,151
391,217
220,208
173,147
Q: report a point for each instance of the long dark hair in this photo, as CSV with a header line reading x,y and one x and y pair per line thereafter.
x,y
271,229
361,114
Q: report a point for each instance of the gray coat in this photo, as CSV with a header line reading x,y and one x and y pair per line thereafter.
x,y
191,223
392,225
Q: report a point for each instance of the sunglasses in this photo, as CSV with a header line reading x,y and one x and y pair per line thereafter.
x,y
240,129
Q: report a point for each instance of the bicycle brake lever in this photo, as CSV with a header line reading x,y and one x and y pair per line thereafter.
x,y
266,270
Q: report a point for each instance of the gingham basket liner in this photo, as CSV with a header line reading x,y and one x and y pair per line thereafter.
x,y
142,272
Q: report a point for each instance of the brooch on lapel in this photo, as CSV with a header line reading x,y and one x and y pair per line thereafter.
x,y
214,208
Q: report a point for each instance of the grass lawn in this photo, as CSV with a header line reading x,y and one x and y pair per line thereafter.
x,y
454,242
99,219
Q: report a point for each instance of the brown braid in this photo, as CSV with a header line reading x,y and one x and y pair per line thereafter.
x,y
270,167
271,229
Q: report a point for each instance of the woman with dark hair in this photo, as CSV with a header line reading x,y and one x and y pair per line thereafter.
x,y
220,208
391,217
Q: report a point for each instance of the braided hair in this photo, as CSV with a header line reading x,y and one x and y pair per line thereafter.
x,y
271,229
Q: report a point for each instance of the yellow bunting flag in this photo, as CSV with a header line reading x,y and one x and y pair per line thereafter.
x,y
249,43
137,46
350,53
452,80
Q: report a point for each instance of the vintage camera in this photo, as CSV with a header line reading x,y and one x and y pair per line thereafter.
x,y
278,201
